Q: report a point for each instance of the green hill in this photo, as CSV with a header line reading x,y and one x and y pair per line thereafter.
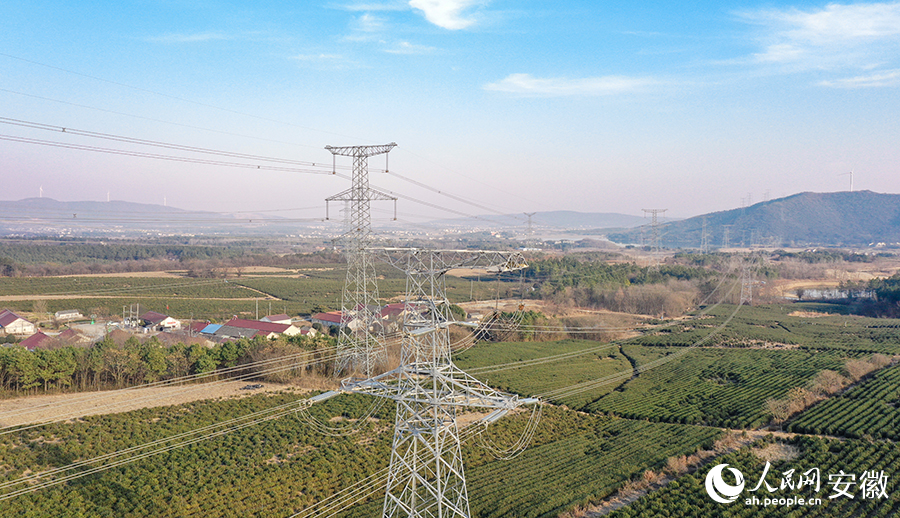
x,y
807,219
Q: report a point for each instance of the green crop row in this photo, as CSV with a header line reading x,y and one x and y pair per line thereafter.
x,y
720,387
688,498
279,467
871,408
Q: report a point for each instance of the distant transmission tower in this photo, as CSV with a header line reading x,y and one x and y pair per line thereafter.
x,y
359,347
746,286
704,239
726,234
426,478
654,237
529,233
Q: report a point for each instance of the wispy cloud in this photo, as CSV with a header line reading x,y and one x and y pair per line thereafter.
x,y
837,35
325,61
374,6
368,22
405,47
190,38
318,57
366,27
449,14
526,84
885,78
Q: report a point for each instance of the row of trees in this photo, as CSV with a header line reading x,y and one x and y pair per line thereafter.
x,y
108,364
668,290
36,260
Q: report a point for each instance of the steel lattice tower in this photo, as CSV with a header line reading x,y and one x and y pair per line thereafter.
x,y
704,239
529,233
654,226
426,477
746,286
359,346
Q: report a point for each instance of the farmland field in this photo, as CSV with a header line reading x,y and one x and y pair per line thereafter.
x,y
687,497
568,362
794,326
278,467
872,408
714,386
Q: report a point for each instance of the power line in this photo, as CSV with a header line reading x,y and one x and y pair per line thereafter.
x,y
173,97
154,143
157,156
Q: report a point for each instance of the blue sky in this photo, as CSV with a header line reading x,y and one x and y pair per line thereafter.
x,y
517,106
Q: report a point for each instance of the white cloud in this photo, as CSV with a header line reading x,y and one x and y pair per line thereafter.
x,y
526,84
448,14
835,35
369,7
318,57
405,47
326,61
190,38
368,23
885,78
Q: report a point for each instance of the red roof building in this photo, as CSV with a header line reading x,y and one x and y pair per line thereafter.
x,y
36,341
270,329
13,324
330,318
277,319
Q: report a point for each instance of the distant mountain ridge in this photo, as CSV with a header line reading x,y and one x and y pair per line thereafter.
x,y
50,205
857,218
46,215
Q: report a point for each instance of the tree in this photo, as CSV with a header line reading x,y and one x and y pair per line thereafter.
x,y
779,408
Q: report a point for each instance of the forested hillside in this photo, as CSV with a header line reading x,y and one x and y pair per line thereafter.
x,y
805,219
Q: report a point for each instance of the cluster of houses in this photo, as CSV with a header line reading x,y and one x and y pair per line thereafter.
x,y
167,328
390,317
172,330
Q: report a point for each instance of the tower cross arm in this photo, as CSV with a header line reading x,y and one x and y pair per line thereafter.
x,y
418,261
360,151
456,388
369,194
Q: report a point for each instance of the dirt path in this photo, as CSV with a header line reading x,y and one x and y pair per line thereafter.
x,y
39,409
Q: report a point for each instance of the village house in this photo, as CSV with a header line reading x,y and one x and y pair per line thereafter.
x,y
277,319
268,329
67,314
13,324
159,322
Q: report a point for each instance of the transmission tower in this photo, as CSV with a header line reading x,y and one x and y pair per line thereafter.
x,y
726,234
704,239
654,233
426,477
359,347
746,286
529,233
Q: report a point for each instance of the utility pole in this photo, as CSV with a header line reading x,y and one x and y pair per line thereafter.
x,y
359,347
426,478
654,228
